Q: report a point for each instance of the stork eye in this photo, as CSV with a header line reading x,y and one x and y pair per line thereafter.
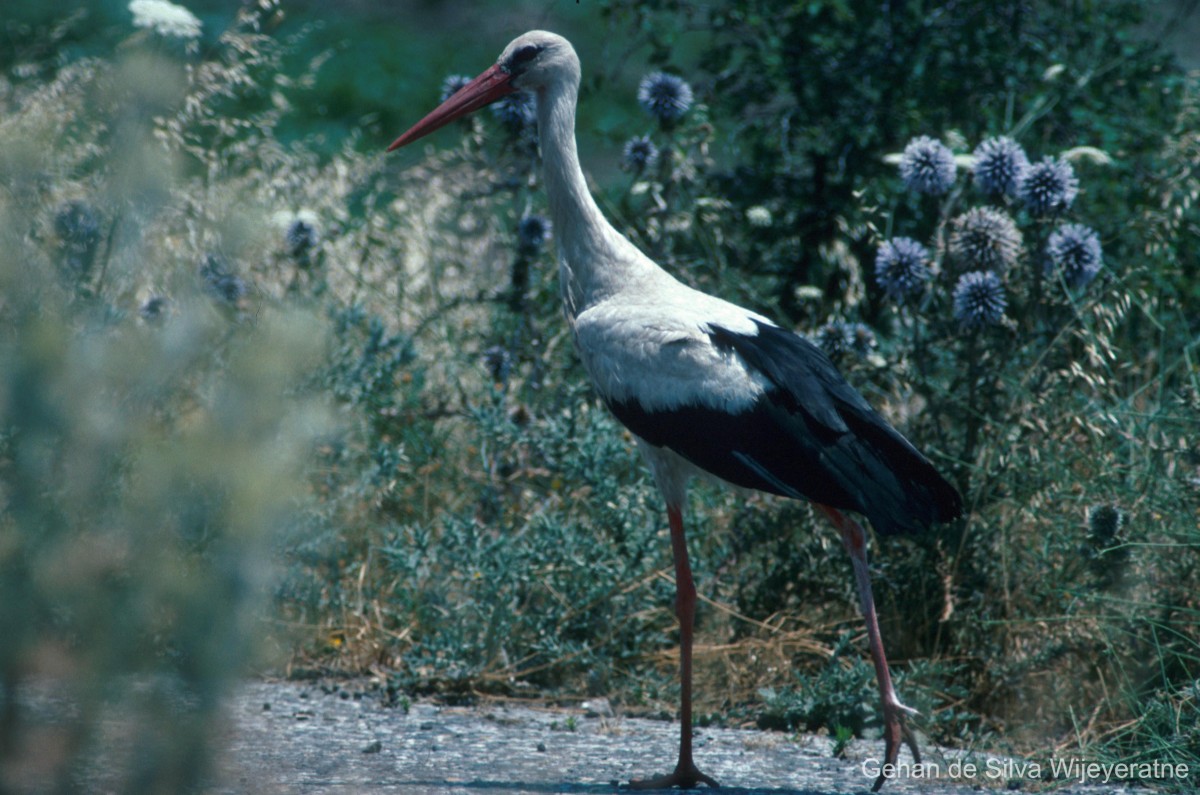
x,y
524,55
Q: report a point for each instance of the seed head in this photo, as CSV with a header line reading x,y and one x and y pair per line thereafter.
x,y
902,268
664,96
986,239
999,164
979,299
1074,251
927,166
1048,187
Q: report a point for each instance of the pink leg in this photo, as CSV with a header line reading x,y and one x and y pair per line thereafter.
x,y
686,775
895,728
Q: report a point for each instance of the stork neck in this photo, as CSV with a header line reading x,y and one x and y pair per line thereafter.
x,y
595,260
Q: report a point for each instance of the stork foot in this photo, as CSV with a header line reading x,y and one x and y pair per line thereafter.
x,y
895,732
685,777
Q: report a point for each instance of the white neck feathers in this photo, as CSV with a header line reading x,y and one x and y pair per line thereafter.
x,y
595,260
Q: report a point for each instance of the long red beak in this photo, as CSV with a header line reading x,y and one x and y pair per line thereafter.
x,y
483,90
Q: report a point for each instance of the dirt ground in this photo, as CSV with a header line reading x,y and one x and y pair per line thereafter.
x,y
299,737
337,738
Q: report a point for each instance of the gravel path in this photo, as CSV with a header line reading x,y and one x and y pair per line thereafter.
x,y
299,738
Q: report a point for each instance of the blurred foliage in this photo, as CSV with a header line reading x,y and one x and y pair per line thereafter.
x,y
153,425
242,363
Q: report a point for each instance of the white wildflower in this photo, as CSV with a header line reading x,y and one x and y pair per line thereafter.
x,y
1051,74
1091,154
758,215
164,18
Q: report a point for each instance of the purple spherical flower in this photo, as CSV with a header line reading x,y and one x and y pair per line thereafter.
x,y
999,164
1105,523
835,338
498,362
862,338
640,154
664,96
516,111
979,299
78,227
1074,251
927,166
902,268
532,233
153,309
301,237
219,280
1048,186
986,239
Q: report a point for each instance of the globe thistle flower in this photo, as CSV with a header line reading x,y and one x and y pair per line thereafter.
x,y
640,154
153,309
165,19
1074,251
999,164
1104,524
927,166
498,362
532,233
453,84
219,281
979,299
516,111
664,96
1048,186
986,239
902,268
1105,550
77,225
301,235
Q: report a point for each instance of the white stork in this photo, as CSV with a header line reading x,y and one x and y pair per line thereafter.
x,y
705,386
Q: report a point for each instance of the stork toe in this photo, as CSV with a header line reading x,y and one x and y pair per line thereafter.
x,y
683,777
896,731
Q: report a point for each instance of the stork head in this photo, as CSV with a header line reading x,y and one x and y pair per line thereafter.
x,y
533,62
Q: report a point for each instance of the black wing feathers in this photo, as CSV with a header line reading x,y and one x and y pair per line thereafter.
x,y
891,482
812,436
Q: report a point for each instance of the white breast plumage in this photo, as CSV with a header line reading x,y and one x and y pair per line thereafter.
x,y
660,354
